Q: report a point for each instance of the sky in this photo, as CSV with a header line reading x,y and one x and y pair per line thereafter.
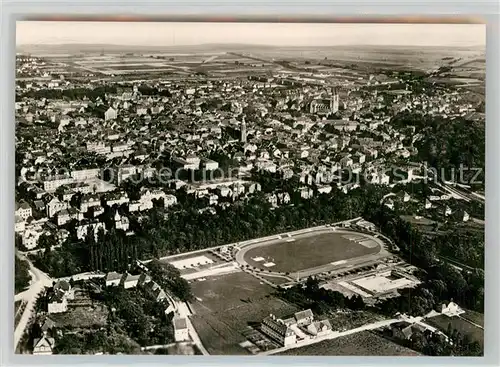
x,y
279,34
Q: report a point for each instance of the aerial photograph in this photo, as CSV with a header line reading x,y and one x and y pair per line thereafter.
x,y
240,188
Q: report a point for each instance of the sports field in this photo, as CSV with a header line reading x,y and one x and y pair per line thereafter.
x,y
310,250
226,308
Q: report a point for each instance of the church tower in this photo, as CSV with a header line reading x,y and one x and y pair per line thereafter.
x,y
334,101
243,137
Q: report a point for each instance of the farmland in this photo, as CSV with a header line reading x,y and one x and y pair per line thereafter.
x,y
364,343
309,251
226,308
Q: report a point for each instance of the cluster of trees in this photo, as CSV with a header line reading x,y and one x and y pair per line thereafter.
x,y
72,94
21,275
97,341
466,246
448,145
168,277
112,251
435,344
137,313
153,91
184,228
70,258
442,282
320,300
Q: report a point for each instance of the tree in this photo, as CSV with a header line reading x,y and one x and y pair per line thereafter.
x,y
21,275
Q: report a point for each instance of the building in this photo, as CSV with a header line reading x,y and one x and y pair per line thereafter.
x,y
452,309
43,346
113,279
129,281
319,328
181,331
243,137
277,330
23,210
53,183
89,201
58,303
85,174
110,114
305,317
325,106
54,206
58,298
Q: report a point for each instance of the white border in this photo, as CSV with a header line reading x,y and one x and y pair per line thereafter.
x,y
12,10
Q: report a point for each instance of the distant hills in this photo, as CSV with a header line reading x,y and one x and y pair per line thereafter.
x,y
73,48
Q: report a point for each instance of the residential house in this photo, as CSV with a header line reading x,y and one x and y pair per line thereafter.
x,y
181,331
43,346
54,206
23,210
319,328
110,114
304,317
129,281
113,279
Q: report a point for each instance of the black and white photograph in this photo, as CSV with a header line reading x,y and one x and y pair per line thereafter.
x,y
249,188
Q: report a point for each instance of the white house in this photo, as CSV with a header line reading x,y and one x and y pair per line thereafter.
x,y
23,210
110,114
452,309
181,331
43,346
58,303
54,206
113,279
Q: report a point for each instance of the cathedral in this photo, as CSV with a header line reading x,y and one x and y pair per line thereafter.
x,y
324,106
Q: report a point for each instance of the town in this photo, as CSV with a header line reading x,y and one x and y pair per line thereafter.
x,y
249,202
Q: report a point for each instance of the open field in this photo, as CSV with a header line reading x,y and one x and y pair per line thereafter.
x,y
457,322
475,317
309,251
342,320
227,306
226,292
364,343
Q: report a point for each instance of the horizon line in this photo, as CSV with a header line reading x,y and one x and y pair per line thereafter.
x,y
240,44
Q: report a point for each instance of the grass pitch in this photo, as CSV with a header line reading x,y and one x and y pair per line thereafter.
x,y
307,252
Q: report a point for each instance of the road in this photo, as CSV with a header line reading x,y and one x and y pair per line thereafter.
x,y
42,280
39,282
339,334
333,335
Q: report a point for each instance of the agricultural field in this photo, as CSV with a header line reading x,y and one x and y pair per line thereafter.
x,y
364,343
228,306
306,252
461,324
